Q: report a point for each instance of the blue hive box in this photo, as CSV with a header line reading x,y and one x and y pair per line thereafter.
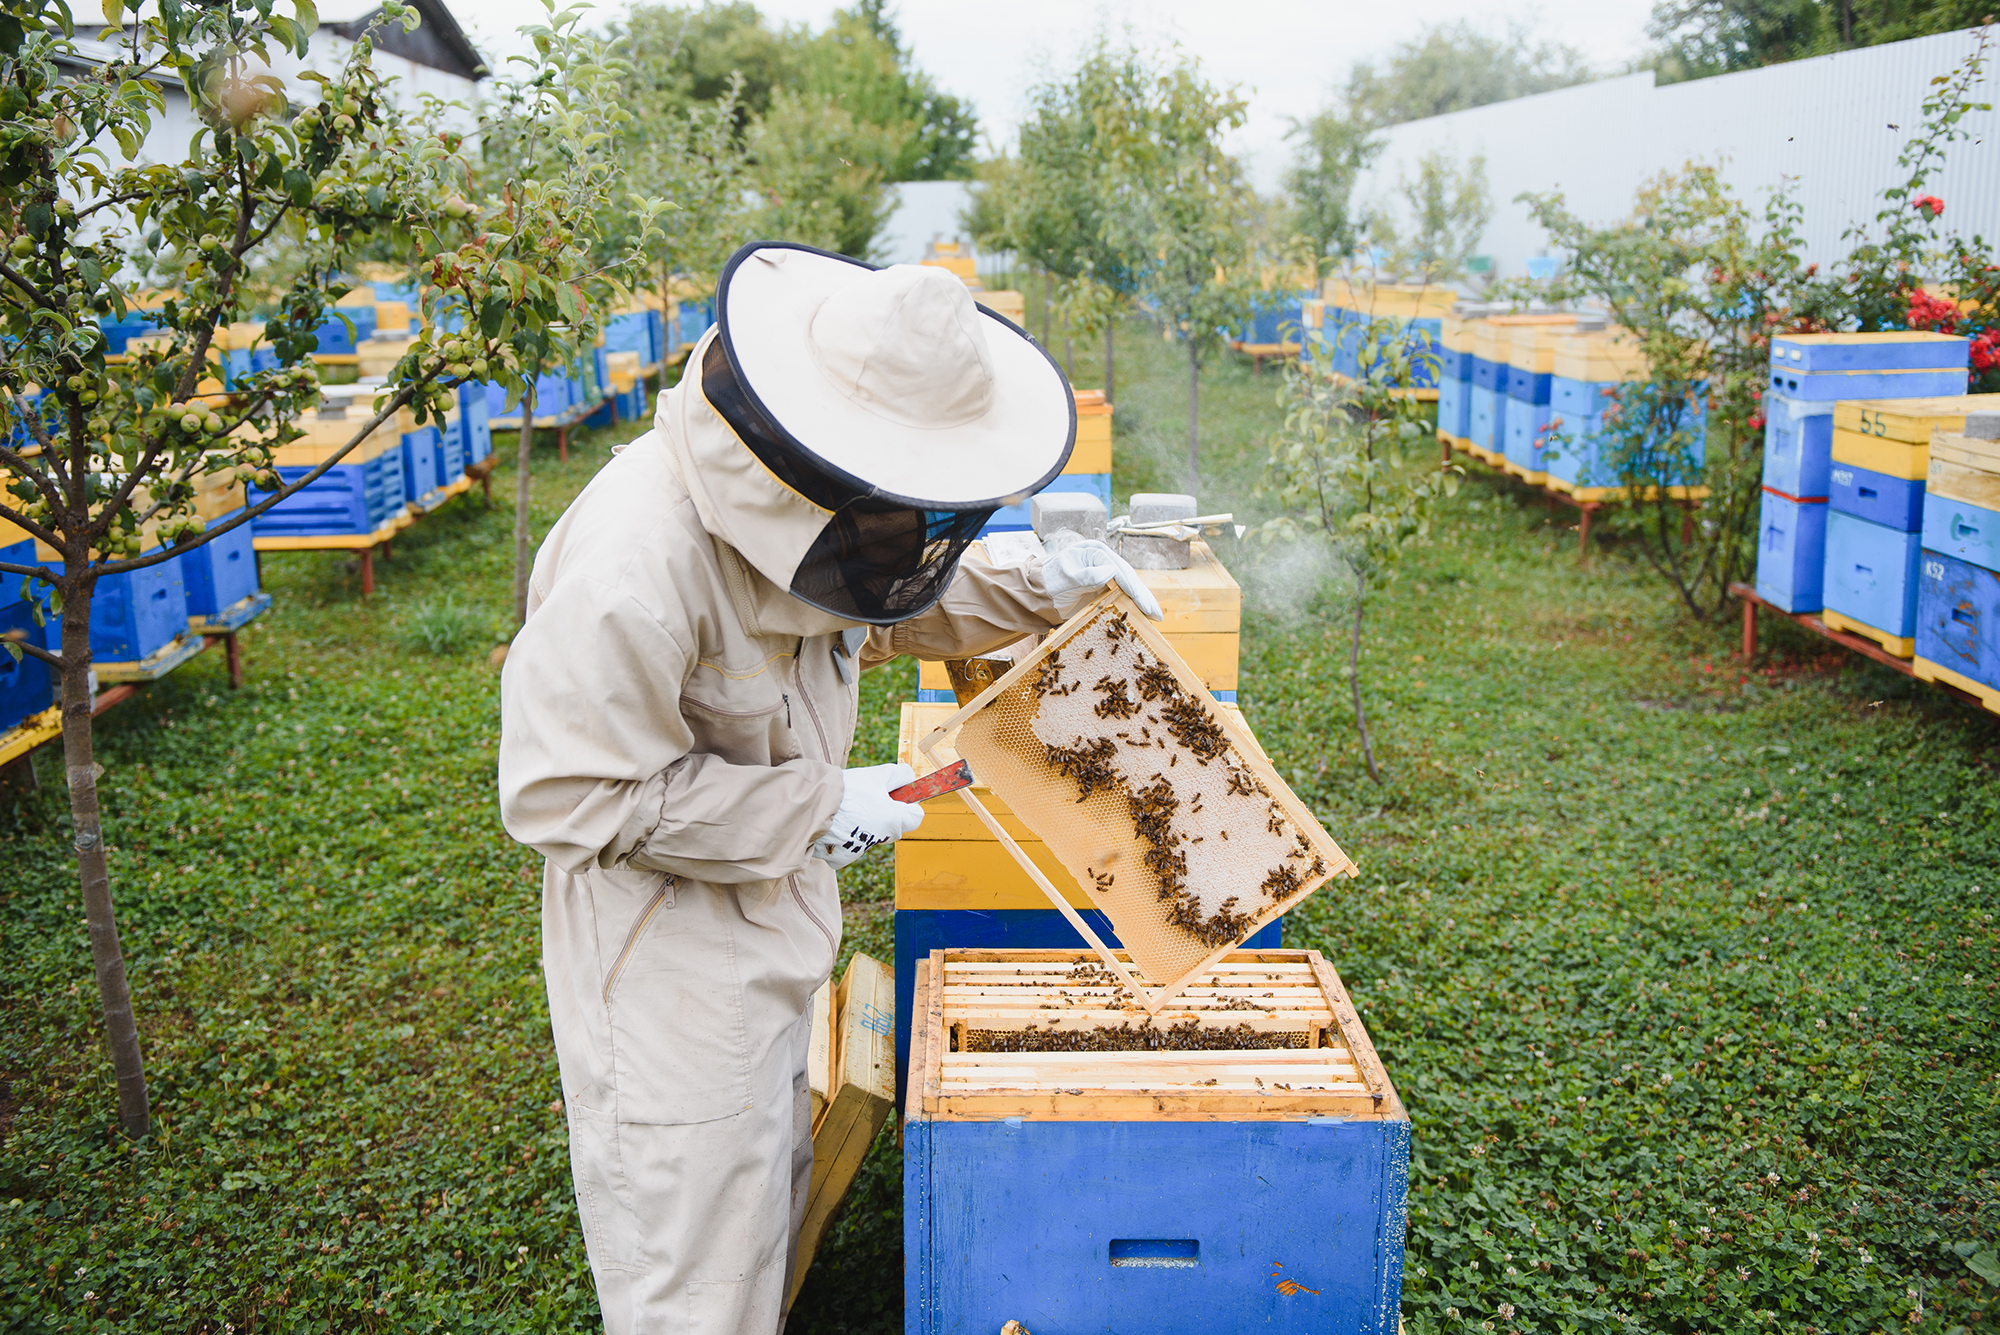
x,y
350,498
118,333
1486,374
632,332
475,424
451,448
1580,398
1525,386
335,339
27,687
1964,530
1526,443
1453,364
423,460
1791,552
1798,445
1147,1196
696,317
1829,386
1455,408
1958,618
136,614
221,572
1895,502
1892,351
1871,574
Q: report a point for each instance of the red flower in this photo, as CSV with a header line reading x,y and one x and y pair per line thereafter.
x,y
1986,350
1933,313
1757,423
1930,204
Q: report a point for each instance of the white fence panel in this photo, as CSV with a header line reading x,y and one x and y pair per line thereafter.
x,y
1833,125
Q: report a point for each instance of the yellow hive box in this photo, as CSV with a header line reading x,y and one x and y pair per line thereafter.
x,y
378,356
1963,468
861,1087
392,317
1910,420
963,266
953,861
1389,300
1601,354
1458,332
1093,433
622,368
1312,313
1493,339
1204,618
1006,302
323,435
1532,347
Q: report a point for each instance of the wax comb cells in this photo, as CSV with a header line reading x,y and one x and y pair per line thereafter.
x,y
1106,746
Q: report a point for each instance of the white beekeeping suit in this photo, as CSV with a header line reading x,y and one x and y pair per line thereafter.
x,y
677,715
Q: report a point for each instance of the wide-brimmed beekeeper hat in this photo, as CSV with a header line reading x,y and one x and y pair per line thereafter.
x,y
894,380
899,410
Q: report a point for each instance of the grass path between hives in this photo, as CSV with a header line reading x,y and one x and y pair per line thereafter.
x,y
1685,973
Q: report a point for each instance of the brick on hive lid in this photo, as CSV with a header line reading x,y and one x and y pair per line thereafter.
x,y
1152,507
1078,512
1983,426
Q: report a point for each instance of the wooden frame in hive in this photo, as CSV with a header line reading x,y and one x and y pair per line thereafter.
x,y
1208,850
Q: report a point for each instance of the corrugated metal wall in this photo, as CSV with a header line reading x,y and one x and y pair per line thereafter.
x,y
1834,125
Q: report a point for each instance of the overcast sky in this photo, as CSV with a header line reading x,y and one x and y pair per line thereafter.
x,y
1284,54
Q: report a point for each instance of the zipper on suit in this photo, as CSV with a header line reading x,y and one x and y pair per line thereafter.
x,y
805,698
788,708
799,897
638,929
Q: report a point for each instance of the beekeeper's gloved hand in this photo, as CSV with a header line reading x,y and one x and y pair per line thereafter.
x,y
1079,572
867,815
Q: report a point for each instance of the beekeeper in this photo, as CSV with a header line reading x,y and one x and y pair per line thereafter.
x,y
676,719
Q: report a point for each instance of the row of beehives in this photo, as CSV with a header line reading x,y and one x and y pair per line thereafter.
x,y
143,623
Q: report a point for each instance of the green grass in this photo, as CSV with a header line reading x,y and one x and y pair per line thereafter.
x,y
1636,930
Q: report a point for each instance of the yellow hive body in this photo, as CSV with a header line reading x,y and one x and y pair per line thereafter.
x,y
1265,1034
861,1089
1893,436
1599,354
1203,606
622,369
1006,302
1145,790
377,357
1963,468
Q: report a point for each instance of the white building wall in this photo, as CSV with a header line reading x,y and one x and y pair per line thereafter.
x,y
1833,125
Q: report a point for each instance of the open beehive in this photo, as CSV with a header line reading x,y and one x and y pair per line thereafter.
x,y
1265,1034
1106,745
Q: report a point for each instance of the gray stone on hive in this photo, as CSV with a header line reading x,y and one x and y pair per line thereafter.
x,y
1983,426
1078,511
1151,507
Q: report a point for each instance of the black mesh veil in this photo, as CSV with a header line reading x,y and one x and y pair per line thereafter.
x,y
877,561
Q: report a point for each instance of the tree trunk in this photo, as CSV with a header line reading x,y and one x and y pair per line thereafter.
x,y
1194,419
121,1029
1354,677
524,556
1109,327
1069,358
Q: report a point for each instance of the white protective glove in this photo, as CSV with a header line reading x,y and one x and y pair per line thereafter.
x,y
1079,572
867,815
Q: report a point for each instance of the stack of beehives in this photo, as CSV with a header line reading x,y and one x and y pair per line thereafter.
x,y
1817,382
1958,584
